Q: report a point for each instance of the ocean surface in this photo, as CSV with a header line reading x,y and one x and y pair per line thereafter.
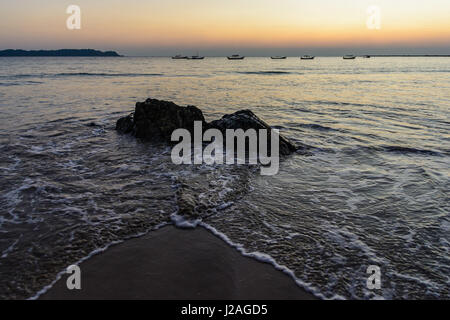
x,y
373,189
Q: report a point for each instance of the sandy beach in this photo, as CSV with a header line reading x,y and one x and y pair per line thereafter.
x,y
178,264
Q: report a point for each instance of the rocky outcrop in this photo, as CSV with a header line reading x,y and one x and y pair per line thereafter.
x,y
155,120
246,119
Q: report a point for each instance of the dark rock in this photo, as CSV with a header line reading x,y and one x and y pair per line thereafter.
x,y
93,125
246,119
125,124
243,119
155,120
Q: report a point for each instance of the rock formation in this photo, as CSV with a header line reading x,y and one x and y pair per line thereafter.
x,y
155,120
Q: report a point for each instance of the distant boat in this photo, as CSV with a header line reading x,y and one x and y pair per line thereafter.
x,y
236,57
349,57
179,57
306,57
278,57
367,57
196,57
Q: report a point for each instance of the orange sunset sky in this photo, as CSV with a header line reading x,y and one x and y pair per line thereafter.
x,y
157,27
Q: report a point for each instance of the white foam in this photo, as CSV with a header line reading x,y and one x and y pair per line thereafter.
x,y
6,252
183,223
265,258
344,237
225,205
425,282
90,255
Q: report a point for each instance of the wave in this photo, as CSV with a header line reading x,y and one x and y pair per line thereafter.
x,y
265,258
93,253
265,72
20,83
79,74
346,104
93,74
394,149
89,74
315,126
408,150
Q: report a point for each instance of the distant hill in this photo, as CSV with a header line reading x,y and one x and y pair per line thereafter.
x,y
58,53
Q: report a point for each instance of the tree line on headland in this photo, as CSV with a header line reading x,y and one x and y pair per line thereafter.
x,y
58,53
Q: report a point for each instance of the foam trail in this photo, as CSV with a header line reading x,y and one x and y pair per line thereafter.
x,y
90,255
265,258
183,223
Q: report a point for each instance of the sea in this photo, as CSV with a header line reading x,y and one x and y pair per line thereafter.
x,y
373,188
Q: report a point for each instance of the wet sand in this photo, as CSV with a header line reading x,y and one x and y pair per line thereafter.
x,y
178,264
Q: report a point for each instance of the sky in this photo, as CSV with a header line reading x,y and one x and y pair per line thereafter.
x,y
218,27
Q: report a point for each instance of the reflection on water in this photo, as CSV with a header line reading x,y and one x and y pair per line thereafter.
x,y
373,190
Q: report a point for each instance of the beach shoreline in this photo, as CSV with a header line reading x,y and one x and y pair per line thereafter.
x,y
177,264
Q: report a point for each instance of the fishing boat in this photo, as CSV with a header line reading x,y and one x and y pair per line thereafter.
x,y
236,57
306,57
367,57
196,57
278,57
349,57
179,57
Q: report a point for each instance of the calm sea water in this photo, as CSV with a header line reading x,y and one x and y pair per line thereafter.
x,y
374,189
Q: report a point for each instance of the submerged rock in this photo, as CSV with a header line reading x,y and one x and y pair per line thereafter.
x,y
155,120
187,202
206,191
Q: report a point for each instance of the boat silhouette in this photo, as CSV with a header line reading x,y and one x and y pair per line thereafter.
x,y
196,57
236,57
179,57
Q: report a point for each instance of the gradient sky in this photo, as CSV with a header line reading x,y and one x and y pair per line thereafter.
x,y
218,27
